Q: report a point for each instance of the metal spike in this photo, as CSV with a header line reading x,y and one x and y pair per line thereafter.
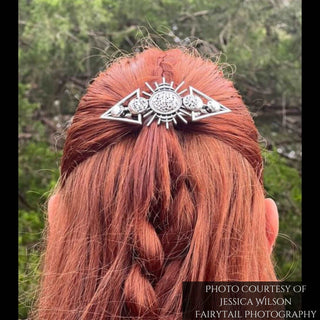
x,y
150,121
146,114
185,112
182,118
148,85
146,93
179,86
184,90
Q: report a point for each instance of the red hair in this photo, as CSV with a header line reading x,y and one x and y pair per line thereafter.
x,y
142,209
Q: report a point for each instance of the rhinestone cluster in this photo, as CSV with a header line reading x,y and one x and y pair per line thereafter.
x,y
138,105
213,106
165,102
193,103
117,110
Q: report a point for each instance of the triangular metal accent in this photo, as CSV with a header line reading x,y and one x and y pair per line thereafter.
x,y
195,115
107,114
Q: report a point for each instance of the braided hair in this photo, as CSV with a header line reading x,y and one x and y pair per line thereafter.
x,y
142,209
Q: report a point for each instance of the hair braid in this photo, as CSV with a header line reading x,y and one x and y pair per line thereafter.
x,y
143,209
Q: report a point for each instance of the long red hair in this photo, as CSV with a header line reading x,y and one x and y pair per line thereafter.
x,y
142,209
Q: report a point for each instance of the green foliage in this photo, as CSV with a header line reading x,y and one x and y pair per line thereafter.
x,y
38,173
283,184
26,109
272,43
63,44
70,39
38,161
30,229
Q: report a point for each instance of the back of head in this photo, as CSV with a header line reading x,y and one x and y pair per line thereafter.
x,y
141,209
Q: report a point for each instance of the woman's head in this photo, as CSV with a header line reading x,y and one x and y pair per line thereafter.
x,y
138,210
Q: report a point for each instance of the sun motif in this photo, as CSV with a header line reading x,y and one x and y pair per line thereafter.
x,y
164,103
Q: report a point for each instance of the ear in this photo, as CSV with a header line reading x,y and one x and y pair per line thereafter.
x,y
272,222
52,207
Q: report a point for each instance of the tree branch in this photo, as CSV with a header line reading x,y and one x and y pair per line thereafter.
x,y
191,16
25,135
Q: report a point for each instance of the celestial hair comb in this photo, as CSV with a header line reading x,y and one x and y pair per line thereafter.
x,y
164,103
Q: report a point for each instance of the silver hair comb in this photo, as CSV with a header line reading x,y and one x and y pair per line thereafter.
x,y
165,104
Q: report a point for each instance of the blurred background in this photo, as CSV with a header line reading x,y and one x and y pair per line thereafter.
x,y
63,44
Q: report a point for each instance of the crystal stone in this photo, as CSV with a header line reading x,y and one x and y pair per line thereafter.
x,y
213,106
116,110
165,102
193,103
138,105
